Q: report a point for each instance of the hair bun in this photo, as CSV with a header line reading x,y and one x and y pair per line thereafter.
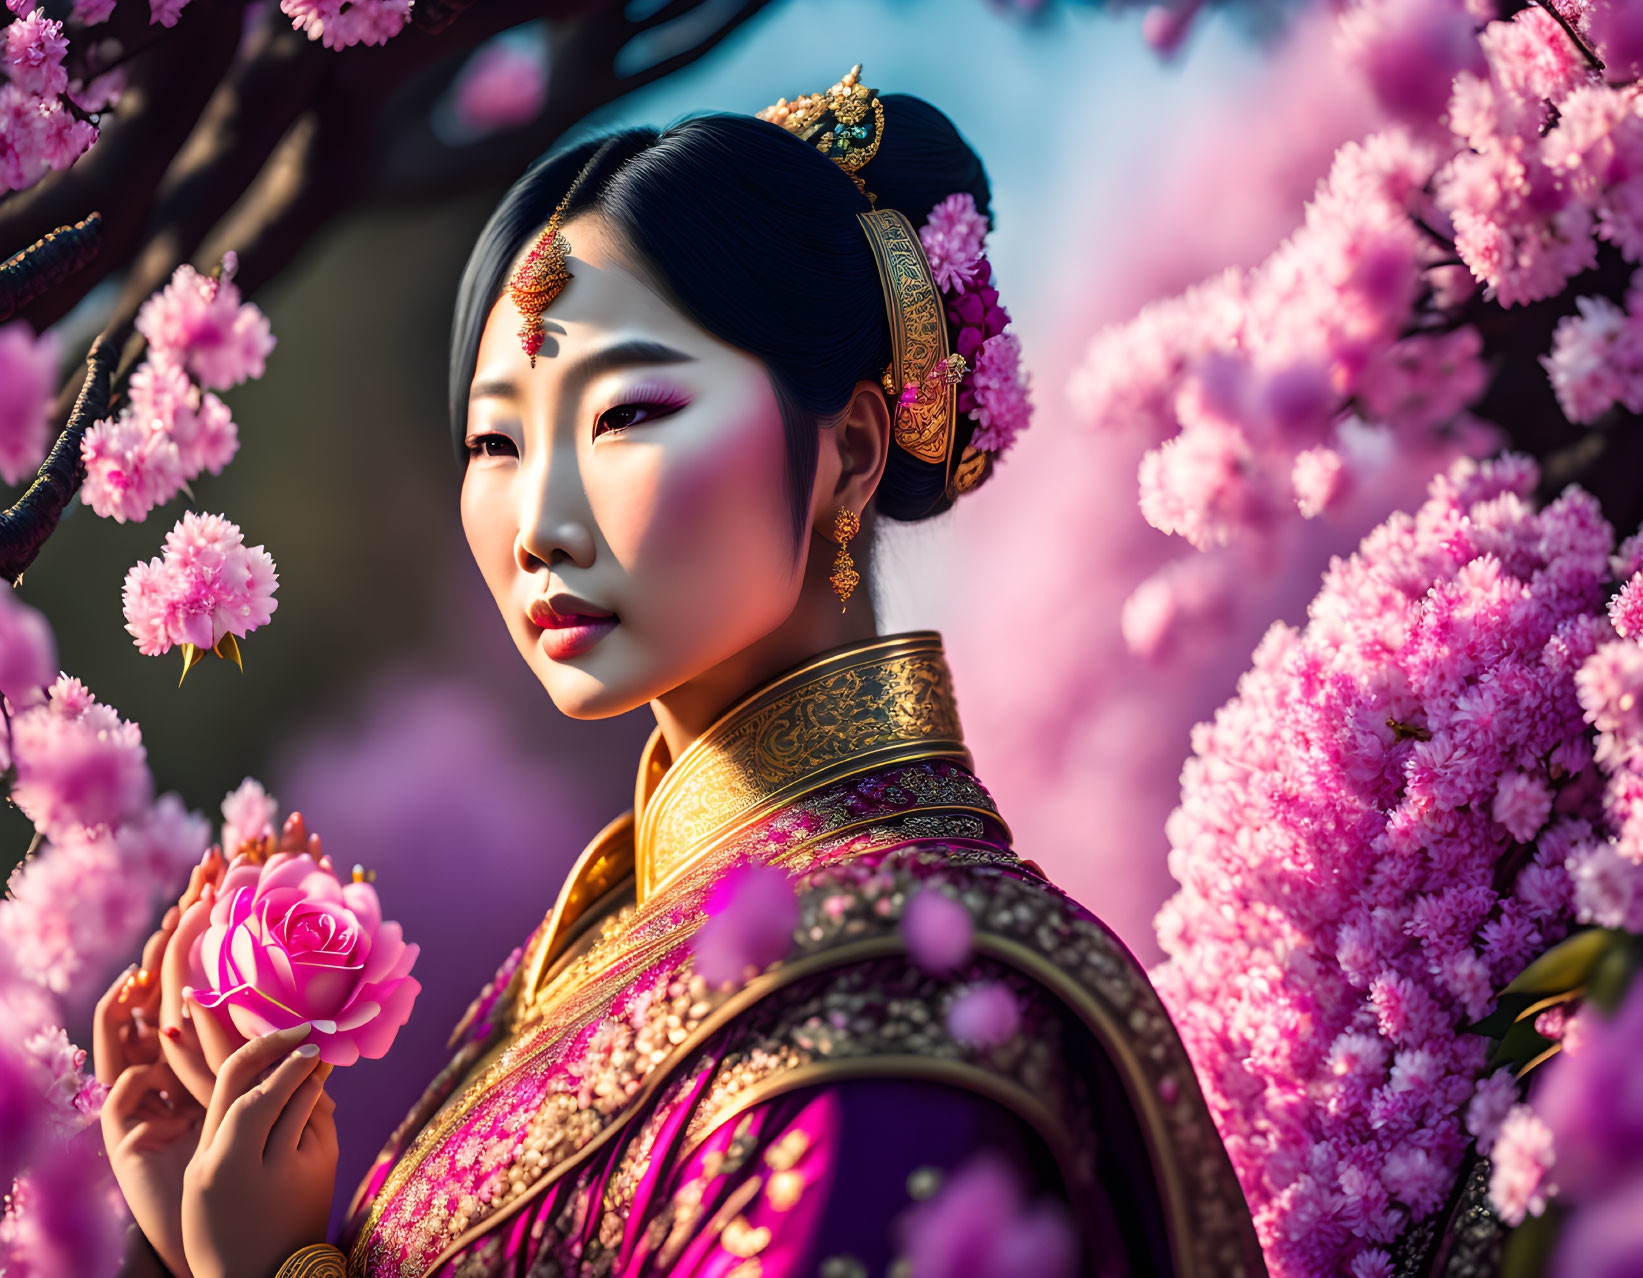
x,y
922,160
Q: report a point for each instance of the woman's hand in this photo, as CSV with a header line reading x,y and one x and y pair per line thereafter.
x,y
259,1186
149,1121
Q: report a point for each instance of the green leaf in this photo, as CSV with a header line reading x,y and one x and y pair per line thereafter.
x,y
1519,1045
1508,1008
1612,976
1564,966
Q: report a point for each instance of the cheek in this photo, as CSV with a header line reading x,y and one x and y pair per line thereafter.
x,y
705,525
487,522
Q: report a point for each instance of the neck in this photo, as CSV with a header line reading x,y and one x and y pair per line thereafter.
x,y
815,625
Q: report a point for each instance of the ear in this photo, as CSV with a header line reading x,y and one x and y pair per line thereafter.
x,y
853,454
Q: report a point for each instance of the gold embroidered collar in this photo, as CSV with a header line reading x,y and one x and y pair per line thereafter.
x,y
845,711
848,710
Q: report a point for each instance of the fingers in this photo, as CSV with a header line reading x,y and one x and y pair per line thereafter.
x,y
136,1094
107,1051
304,1104
239,1072
250,1120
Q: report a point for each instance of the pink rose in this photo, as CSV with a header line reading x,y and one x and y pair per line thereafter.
x,y
285,942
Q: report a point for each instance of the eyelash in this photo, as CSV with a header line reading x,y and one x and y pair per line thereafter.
x,y
643,397
663,398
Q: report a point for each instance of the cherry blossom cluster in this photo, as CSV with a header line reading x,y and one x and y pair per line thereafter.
x,y
1271,394
38,129
340,24
207,585
74,908
994,391
201,338
1407,800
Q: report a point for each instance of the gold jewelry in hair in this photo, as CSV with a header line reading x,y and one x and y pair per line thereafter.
x,y
836,121
539,279
845,578
921,366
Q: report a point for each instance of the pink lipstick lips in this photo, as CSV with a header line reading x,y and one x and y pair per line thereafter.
x,y
570,626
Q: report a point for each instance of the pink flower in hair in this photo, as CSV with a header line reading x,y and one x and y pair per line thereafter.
x,y
208,584
28,376
953,239
200,323
998,385
130,469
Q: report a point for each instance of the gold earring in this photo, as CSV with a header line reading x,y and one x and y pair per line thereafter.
x,y
845,577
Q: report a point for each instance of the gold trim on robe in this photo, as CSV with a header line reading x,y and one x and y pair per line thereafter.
x,y
764,781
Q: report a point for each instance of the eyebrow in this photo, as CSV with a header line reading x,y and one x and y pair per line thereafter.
x,y
636,353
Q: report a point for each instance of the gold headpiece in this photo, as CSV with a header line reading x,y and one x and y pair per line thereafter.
x,y
922,380
836,121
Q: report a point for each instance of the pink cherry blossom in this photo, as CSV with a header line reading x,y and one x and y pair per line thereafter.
x,y
1320,480
980,1225
165,12
74,912
1521,1163
130,469
28,652
163,399
165,842
1596,360
88,13
503,86
34,55
248,815
37,135
198,322
65,1217
954,238
89,771
1410,51
983,1015
938,931
342,23
288,943
1616,28
208,584
752,912
28,378
1339,918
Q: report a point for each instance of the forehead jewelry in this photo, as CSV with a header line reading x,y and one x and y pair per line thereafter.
x,y
539,279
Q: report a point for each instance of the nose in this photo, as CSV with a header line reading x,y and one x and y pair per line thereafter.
x,y
554,527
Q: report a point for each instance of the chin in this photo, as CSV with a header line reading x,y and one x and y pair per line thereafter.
x,y
594,686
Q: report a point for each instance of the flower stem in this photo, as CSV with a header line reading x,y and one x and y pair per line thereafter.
x,y
1568,29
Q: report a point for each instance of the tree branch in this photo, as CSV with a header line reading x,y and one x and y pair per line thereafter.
x,y
26,525
47,262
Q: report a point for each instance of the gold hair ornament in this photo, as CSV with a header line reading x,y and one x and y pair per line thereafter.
x,y
835,120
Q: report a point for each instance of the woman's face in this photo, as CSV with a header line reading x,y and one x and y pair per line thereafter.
x,y
625,499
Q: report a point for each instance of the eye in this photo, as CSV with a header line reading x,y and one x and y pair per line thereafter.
x,y
634,411
491,444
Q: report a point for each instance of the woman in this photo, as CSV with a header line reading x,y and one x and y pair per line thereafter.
x,y
686,367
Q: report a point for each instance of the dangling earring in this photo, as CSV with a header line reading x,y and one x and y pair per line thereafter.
x,y
845,577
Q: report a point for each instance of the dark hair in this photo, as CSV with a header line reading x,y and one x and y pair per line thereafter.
x,y
754,233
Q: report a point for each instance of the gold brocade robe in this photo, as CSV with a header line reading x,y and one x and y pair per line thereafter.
x,y
608,1113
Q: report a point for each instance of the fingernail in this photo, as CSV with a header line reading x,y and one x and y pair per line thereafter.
x,y
307,1050
171,1032
143,977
